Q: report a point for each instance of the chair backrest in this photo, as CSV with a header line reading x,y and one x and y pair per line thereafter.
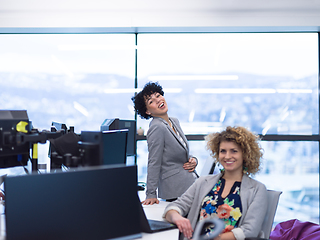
x,y
273,199
208,167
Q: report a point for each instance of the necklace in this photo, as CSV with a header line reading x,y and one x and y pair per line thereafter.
x,y
171,125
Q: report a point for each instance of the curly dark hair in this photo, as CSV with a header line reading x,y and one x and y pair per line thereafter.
x,y
248,142
140,98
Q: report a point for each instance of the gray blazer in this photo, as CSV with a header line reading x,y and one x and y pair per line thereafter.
x,y
253,196
167,154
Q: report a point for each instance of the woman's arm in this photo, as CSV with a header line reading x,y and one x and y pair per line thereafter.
x,y
182,223
193,161
155,141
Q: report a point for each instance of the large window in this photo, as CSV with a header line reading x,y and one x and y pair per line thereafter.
x,y
267,82
290,167
76,79
70,78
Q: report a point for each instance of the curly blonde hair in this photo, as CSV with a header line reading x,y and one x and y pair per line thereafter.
x,y
248,142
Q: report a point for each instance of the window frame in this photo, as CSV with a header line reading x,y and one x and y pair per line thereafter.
x,y
191,30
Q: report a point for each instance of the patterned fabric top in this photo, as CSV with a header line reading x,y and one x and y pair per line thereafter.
x,y
228,209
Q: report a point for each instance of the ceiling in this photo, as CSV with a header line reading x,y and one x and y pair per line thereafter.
x,y
163,5
139,15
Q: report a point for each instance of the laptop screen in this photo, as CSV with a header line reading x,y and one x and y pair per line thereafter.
x,y
83,204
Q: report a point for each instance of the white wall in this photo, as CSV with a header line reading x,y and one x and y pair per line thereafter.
x,y
146,15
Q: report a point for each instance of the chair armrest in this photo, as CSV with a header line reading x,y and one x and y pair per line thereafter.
x,y
218,227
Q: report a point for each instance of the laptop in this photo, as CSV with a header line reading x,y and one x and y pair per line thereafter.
x,y
2,178
152,226
88,203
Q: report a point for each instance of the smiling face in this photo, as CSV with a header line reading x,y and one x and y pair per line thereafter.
x,y
230,157
156,105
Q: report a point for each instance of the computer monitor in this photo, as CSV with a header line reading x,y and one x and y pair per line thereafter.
x,y
115,124
11,153
87,203
104,147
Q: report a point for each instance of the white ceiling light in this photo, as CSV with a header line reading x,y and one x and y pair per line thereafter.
x,y
250,90
192,77
133,90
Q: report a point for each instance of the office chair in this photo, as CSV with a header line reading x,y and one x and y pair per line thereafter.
x,y
273,199
208,167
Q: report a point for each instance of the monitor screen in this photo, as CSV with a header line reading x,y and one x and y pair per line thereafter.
x,y
104,148
116,124
88,203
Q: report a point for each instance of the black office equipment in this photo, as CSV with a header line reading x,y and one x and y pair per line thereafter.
x,y
59,126
116,124
89,203
11,152
54,152
152,226
90,148
104,148
17,137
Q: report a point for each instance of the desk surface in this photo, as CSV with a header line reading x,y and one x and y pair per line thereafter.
x,y
155,212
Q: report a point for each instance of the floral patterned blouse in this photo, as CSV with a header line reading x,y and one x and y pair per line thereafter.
x,y
228,209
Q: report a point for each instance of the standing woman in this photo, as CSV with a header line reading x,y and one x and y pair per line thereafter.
x,y
170,167
234,197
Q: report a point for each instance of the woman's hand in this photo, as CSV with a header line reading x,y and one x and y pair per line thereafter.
x,y
150,201
182,223
2,197
190,165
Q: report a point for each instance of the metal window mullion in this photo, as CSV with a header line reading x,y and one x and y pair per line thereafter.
x,y
136,86
319,113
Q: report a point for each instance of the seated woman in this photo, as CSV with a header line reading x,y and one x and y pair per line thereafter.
x,y
234,197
